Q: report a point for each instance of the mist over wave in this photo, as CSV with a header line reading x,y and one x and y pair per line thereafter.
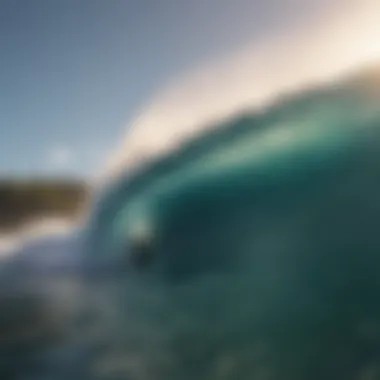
x,y
250,79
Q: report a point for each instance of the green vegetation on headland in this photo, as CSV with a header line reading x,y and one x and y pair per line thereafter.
x,y
24,201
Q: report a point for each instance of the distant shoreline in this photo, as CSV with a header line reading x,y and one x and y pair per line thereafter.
x,y
23,201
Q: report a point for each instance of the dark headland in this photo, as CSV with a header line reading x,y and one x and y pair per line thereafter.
x,y
22,201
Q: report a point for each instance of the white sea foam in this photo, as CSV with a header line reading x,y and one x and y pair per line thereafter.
x,y
35,230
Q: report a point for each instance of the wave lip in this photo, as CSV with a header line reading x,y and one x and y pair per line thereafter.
x,y
250,80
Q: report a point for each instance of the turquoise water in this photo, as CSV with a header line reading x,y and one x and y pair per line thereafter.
x,y
253,252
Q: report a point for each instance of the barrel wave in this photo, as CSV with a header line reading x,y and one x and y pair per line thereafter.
x,y
249,252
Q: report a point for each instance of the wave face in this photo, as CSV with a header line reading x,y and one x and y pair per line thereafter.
x,y
250,252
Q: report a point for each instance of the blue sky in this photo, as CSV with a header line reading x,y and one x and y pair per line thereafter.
x,y
75,73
